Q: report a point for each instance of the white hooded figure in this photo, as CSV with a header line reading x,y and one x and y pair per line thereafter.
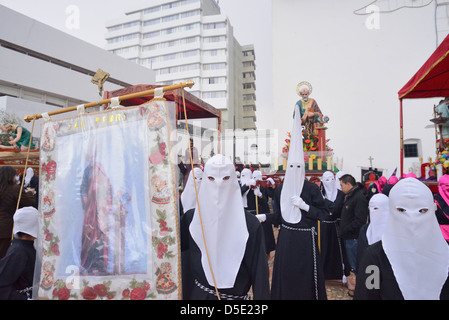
x,y
257,176
413,242
246,179
297,272
291,202
379,211
329,185
188,196
29,174
223,220
26,221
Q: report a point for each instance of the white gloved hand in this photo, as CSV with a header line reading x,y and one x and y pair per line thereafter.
x,y
270,180
257,192
251,182
262,217
298,202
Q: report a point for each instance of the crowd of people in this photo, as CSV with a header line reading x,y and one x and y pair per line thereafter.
x,y
387,241
391,243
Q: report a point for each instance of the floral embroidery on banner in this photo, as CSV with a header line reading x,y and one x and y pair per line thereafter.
x,y
162,277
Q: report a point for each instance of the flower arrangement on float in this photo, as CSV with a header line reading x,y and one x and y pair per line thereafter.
x,y
311,152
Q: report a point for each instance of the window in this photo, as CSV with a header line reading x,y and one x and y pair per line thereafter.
x,y
171,5
214,80
171,56
151,22
151,10
214,53
190,13
214,39
169,31
214,66
151,34
189,67
115,28
131,24
131,36
170,18
149,47
191,26
114,40
213,94
191,53
410,150
216,25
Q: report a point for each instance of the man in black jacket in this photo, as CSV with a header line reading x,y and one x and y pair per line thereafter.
x,y
353,216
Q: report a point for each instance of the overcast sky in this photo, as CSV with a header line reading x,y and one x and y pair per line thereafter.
x,y
355,63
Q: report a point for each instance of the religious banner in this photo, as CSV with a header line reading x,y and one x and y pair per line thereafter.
x,y
108,203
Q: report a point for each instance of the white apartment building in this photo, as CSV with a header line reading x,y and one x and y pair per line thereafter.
x,y
43,69
191,39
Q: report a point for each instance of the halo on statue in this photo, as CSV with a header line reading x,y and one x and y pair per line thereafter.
x,y
301,85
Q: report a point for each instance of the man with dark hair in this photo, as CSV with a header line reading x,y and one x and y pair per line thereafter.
x,y
353,216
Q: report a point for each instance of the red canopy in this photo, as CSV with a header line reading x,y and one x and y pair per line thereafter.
x,y
432,79
195,107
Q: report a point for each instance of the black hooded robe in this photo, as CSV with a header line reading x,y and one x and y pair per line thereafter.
x,y
332,248
17,271
387,288
253,272
297,269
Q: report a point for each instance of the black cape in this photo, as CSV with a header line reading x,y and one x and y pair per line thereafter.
x,y
332,248
297,268
17,271
388,288
253,272
263,208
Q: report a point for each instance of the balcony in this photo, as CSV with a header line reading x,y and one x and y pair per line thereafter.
x,y
248,125
249,114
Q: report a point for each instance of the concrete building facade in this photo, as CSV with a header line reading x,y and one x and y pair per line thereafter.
x,y
191,39
44,69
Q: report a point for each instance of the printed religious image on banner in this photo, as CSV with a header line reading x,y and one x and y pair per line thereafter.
x,y
108,227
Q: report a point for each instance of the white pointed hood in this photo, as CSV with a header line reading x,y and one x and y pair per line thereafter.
x,y
413,241
294,174
224,222
188,196
378,216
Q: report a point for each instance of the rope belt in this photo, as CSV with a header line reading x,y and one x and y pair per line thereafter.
x,y
222,295
28,291
332,221
315,263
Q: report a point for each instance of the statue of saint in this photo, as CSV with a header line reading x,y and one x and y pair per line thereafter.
x,y
311,114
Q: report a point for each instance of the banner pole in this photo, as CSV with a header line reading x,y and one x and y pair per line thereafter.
x,y
189,84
